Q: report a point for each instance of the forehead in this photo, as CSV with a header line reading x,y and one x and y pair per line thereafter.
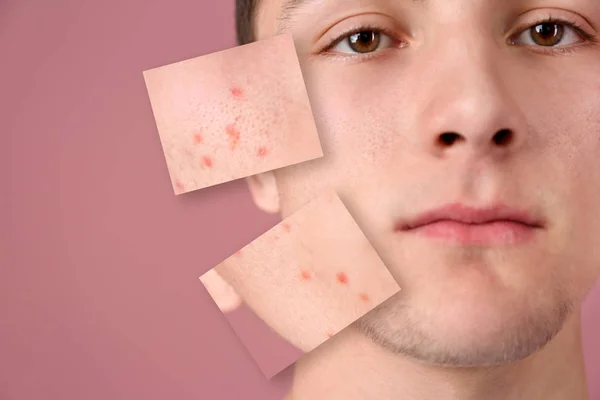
x,y
271,15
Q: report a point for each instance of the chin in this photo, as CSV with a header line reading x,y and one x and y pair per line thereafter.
x,y
471,335
468,327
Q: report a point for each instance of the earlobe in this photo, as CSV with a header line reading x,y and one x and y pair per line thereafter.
x,y
263,188
221,292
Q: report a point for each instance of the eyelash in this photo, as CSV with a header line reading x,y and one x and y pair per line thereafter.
x,y
589,39
361,56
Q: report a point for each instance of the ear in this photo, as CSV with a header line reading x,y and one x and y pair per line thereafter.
x,y
221,292
263,188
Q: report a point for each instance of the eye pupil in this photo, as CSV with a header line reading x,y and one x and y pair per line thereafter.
x,y
547,34
365,41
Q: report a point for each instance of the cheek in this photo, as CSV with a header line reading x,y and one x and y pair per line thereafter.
x,y
358,143
570,170
584,236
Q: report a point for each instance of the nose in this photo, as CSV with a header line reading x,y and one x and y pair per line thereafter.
x,y
467,106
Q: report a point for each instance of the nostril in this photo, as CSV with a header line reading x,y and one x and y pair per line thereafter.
x,y
503,137
448,138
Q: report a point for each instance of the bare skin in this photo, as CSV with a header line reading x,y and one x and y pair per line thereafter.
x,y
215,122
474,112
350,366
305,294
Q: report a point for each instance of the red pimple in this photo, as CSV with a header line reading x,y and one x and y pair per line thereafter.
x,y
329,335
305,275
207,161
262,151
234,135
237,253
365,297
342,278
179,186
286,226
198,138
237,92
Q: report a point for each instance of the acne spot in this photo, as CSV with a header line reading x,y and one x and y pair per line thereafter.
x,y
198,138
286,226
238,253
365,297
179,186
207,161
342,278
234,135
237,92
262,152
305,275
329,335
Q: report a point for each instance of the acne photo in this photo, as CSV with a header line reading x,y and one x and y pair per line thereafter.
x,y
300,199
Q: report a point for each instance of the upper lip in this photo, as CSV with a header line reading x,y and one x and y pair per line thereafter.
x,y
460,213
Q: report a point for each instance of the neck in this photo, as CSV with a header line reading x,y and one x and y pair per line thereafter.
x,y
350,367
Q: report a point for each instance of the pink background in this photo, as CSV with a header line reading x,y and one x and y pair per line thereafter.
x,y
99,261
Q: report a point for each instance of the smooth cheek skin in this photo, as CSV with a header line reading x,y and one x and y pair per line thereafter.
x,y
378,135
303,293
216,122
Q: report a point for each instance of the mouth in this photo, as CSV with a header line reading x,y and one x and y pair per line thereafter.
x,y
466,225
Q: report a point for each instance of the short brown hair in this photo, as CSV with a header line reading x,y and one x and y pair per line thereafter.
x,y
245,11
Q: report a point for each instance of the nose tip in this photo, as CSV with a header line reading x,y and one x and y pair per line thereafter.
x,y
469,109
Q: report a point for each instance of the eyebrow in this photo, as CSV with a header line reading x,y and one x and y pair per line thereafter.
x,y
290,8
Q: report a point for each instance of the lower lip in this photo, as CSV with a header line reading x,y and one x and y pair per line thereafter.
x,y
497,232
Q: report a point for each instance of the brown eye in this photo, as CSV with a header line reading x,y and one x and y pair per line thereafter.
x,y
547,34
364,42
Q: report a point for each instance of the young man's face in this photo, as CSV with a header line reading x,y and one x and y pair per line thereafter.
x,y
486,111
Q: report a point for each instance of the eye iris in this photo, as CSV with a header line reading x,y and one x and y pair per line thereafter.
x,y
364,42
547,34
